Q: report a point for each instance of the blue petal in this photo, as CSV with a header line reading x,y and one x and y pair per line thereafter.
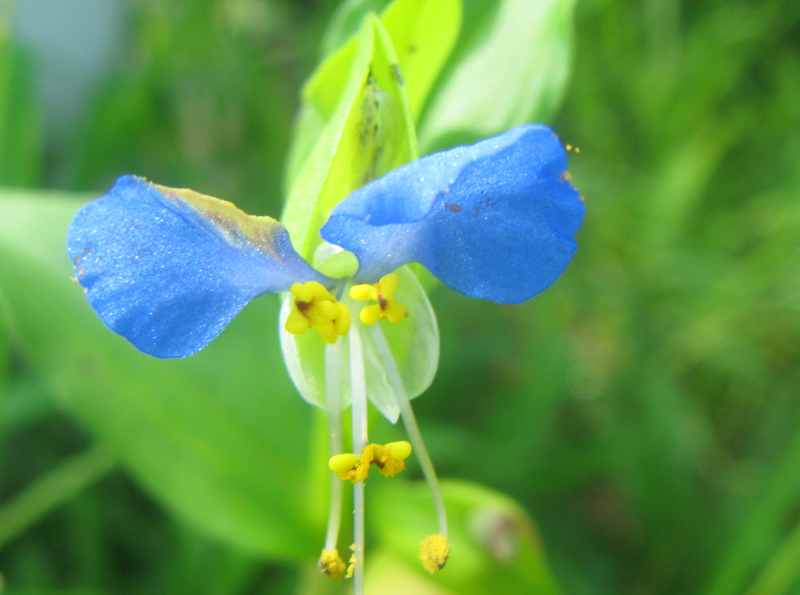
x,y
168,269
494,220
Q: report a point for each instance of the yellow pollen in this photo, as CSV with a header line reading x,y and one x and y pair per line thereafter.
x,y
330,564
390,459
314,306
434,552
381,292
351,568
360,470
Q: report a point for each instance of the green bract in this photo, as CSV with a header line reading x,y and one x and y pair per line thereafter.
x,y
357,119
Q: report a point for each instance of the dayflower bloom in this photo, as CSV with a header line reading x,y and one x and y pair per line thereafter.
x,y
168,269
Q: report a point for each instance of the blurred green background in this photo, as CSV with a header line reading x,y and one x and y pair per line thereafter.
x,y
643,412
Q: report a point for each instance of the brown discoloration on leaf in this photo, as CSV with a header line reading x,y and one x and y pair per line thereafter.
x,y
398,76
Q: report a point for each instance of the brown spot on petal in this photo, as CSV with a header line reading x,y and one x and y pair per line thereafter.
x,y
453,207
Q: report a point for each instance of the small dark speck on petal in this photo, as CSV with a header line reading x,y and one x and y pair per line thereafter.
x,y
453,207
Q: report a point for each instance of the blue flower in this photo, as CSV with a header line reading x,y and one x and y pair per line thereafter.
x,y
168,269
494,220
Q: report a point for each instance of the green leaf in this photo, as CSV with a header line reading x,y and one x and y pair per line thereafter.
x,y
215,438
327,99
423,33
363,127
494,545
511,68
19,117
346,21
414,343
760,530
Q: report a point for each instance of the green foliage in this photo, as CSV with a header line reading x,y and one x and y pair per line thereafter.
x,y
643,411
199,441
510,68
498,547
20,150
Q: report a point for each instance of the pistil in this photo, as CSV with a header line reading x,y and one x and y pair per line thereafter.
x,y
330,563
435,548
358,390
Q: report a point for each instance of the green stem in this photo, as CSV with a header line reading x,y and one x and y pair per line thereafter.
x,y
47,492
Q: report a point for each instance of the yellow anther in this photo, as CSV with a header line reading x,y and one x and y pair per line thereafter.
x,y
371,314
364,292
330,564
400,450
343,463
359,470
390,458
382,293
395,312
342,321
314,306
319,291
434,552
328,310
296,323
388,284
302,291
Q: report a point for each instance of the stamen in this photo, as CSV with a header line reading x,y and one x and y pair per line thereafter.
x,y
358,390
410,422
343,463
382,293
390,459
358,470
330,563
314,306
